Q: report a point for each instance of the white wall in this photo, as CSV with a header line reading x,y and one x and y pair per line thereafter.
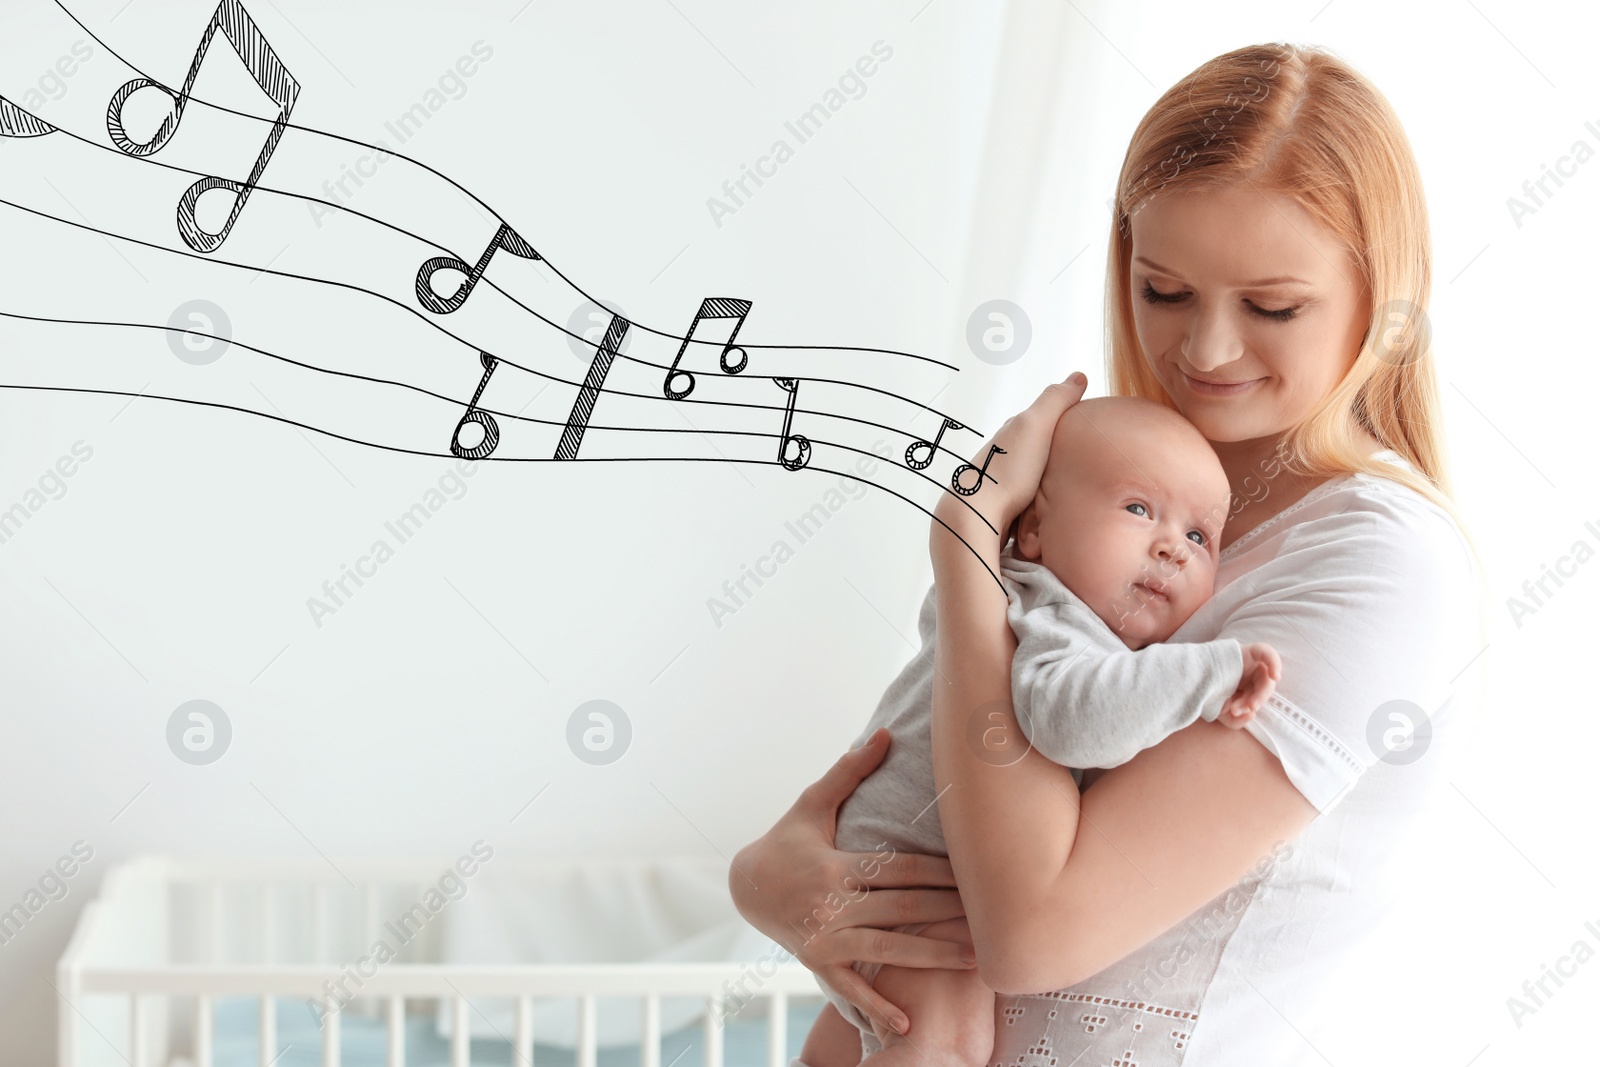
x,y
976,166
179,561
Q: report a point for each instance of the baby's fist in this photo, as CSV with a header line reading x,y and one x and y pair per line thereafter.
x,y
1257,681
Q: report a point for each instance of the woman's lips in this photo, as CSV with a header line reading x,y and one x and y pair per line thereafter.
x,y
1201,388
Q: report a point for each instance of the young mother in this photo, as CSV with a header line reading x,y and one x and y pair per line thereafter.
x,y
1268,275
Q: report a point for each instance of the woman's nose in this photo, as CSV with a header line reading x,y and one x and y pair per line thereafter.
x,y
1209,341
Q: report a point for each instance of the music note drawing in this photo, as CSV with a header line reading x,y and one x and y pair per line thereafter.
x,y
505,238
912,459
268,72
478,417
712,307
983,472
800,444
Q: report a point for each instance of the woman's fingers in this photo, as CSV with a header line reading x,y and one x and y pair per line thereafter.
x,y
1057,397
870,1003
891,907
1053,401
1024,439
903,950
911,869
826,794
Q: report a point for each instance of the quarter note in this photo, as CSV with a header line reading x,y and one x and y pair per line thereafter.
x,y
932,446
802,446
505,238
491,429
583,407
268,72
983,472
712,307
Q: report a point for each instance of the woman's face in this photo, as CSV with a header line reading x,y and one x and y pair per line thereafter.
x,y
1247,310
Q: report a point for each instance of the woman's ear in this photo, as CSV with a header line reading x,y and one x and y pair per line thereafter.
x,y
1028,532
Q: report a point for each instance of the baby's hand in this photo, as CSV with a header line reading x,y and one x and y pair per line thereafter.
x,y
1258,679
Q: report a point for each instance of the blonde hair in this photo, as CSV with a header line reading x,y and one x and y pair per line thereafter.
x,y
1300,121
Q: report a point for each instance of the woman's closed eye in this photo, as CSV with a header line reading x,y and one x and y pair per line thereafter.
x,y
1277,314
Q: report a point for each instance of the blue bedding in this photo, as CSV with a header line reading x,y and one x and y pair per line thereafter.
x,y
363,1044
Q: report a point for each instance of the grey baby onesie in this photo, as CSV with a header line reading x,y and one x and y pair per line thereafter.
x,y
1081,697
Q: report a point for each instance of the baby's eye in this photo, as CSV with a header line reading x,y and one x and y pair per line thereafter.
x,y
1142,509
1197,537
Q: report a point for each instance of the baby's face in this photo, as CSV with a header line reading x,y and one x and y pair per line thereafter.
x,y
1127,516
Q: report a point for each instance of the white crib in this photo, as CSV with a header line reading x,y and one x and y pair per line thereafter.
x,y
168,939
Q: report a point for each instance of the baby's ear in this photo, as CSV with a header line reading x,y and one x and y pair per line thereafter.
x,y
1028,532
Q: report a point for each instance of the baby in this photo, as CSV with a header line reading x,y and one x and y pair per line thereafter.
x,y
1114,553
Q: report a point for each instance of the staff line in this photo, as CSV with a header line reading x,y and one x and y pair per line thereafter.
x,y
517,417
434,325
522,459
485,280
491,411
456,185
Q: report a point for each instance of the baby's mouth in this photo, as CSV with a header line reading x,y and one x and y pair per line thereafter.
x,y
1155,590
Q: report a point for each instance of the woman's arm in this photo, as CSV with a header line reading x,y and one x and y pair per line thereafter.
x,y
1050,902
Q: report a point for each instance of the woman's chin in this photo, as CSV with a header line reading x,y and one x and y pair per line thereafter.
x,y
1219,423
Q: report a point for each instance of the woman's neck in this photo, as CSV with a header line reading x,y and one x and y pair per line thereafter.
x,y
1261,487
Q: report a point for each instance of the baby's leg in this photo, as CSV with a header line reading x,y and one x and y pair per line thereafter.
x,y
833,1041
951,1011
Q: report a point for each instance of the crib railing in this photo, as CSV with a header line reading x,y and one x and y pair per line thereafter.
x,y
119,934
452,985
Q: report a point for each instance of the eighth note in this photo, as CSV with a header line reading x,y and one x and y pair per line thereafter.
x,y
932,446
802,446
505,237
712,307
479,417
983,472
268,72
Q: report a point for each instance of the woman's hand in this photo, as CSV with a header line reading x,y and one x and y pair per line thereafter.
x,y
1024,439
795,887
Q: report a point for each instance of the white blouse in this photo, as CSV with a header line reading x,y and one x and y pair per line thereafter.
x,y
1370,594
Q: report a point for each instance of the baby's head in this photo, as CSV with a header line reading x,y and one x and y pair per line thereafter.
x,y
1128,513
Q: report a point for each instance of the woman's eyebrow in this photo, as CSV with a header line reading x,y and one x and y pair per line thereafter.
x,y
1259,283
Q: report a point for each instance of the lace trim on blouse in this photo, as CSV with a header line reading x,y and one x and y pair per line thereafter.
x,y
1316,493
1179,1023
1315,731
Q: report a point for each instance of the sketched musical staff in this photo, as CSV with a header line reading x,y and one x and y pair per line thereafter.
x,y
745,417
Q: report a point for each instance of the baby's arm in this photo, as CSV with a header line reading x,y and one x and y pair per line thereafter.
x,y
1083,705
